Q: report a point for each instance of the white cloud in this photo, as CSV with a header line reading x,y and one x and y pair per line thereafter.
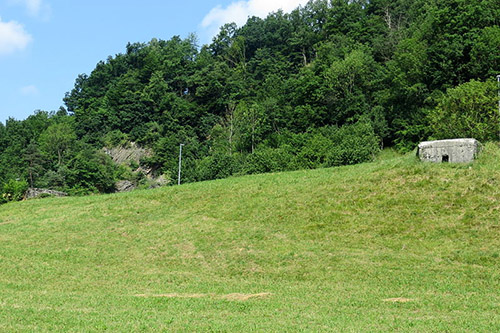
x,y
29,91
239,12
13,37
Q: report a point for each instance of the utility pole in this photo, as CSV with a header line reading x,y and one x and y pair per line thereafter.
x,y
180,163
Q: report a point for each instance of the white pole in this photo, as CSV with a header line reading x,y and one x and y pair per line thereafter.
x,y
180,163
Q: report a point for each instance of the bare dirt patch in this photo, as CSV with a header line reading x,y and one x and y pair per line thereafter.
x,y
174,295
398,300
229,297
244,297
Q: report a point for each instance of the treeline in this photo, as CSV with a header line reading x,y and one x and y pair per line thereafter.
x,y
328,84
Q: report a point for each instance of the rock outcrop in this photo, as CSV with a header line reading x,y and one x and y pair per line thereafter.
x,y
125,186
131,156
130,153
32,193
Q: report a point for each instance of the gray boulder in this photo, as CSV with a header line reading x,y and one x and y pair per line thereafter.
x,y
32,193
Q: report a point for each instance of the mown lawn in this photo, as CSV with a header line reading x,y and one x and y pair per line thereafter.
x,y
394,245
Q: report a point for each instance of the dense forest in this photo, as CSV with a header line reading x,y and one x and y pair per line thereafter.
x,y
328,84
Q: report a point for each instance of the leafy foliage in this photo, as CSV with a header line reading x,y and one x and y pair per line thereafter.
x,y
325,85
13,190
469,110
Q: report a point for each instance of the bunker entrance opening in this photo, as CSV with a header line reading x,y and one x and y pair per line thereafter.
x,y
445,159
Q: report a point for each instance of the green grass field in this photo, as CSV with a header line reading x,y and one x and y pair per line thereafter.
x,y
394,245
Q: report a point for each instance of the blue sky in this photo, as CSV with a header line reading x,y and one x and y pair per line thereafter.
x,y
45,44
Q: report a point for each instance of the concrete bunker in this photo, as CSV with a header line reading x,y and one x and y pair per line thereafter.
x,y
449,151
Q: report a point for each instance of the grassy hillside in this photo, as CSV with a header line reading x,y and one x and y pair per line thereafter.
x,y
390,245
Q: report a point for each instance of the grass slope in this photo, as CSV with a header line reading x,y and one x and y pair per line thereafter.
x,y
390,245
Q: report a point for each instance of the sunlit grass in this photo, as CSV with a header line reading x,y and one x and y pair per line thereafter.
x,y
390,245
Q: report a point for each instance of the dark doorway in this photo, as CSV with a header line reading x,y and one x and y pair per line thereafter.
x,y
445,159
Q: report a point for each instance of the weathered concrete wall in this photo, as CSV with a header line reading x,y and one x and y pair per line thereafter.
x,y
453,151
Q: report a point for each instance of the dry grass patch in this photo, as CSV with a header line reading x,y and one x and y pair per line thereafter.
x,y
244,297
398,300
230,297
173,295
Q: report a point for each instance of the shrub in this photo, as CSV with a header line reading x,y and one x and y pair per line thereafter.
x,y
266,159
324,147
315,151
216,166
467,111
14,190
91,171
333,146
353,144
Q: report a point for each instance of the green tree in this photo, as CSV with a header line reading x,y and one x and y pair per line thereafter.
x,y
467,111
56,140
91,171
34,160
249,119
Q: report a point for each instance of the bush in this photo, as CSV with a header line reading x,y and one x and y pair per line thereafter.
x,y
91,171
332,146
324,147
353,144
316,149
217,166
266,159
55,180
467,111
14,190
